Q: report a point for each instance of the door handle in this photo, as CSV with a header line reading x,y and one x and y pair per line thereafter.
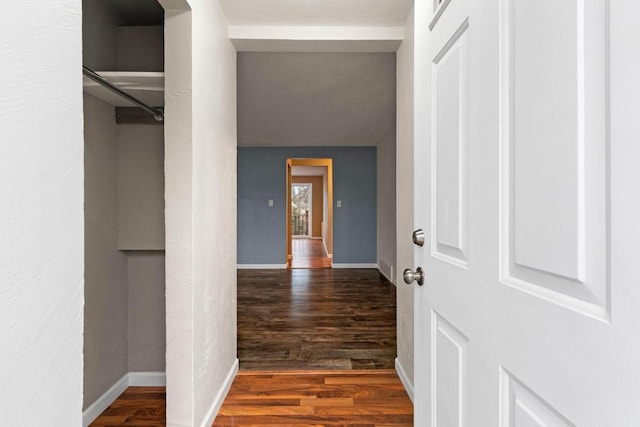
x,y
411,276
418,237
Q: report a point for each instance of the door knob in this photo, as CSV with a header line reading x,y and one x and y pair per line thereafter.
x,y
411,276
418,237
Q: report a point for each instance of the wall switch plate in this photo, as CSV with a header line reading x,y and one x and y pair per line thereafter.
x,y
270,203
339,203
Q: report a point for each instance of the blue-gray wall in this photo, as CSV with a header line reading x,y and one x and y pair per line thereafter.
x,y
262,175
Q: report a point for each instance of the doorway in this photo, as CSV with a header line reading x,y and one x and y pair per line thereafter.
x,y
309,213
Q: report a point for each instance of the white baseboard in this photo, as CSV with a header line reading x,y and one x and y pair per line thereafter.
x,y
103,402
354,265
148,379
408,385
217,401
262,266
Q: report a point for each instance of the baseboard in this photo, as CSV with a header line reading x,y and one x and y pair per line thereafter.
x,y
408,385
315,238
387,276
354,265
103,402
217,401
261,266
147,379
140,379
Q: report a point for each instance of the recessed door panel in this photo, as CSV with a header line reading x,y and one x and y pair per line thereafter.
x,y
449,150
523,408
449,373
554,152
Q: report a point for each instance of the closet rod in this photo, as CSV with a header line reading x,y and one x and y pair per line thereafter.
x,y
157,113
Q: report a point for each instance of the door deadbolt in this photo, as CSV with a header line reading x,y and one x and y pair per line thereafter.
x,y
411,276
418,237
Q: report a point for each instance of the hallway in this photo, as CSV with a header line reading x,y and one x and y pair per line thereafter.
x,y
309,253
316,319
315,346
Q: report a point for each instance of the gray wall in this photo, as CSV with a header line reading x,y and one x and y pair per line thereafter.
x,y
146,316
140,48
99,39
141,231
262,176
141,187
315,99
124,291
106,284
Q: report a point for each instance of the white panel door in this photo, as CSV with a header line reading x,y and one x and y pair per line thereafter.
x,y
527,184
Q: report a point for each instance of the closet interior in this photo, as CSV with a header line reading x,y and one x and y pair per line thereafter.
x,y
124,318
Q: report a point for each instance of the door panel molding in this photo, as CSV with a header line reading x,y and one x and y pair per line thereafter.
x,y
449,387
449,165
554,177
519,406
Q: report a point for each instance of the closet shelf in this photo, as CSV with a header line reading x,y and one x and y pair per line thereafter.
x,y
146,86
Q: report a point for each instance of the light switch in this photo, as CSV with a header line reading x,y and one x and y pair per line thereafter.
x,y
339,203
270,203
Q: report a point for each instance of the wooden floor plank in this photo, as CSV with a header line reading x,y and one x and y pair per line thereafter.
x,y
316,319
309,253
364,400
329,398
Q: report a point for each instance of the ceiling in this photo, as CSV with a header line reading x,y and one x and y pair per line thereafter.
x,y
364,13
316,99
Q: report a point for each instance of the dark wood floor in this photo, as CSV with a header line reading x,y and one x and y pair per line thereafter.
x,y
316,319
309,253
329,398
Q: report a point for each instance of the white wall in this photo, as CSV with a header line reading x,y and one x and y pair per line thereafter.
x,y
404,194
200,171
41,220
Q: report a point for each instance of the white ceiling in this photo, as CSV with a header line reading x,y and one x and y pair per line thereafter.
x,y
364,13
